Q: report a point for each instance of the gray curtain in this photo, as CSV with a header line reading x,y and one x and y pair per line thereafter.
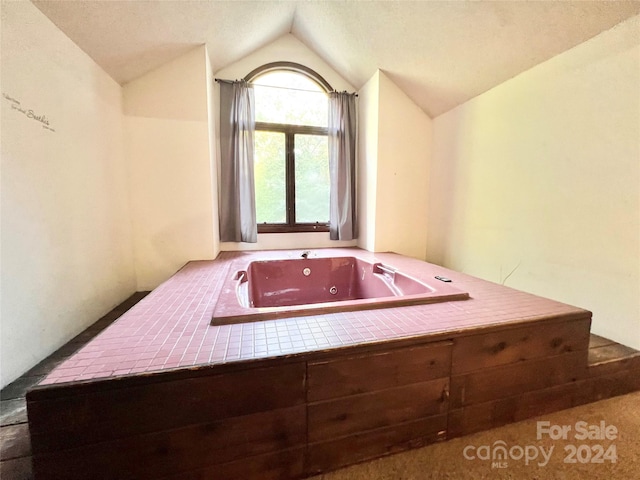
x,y
237,191
342,166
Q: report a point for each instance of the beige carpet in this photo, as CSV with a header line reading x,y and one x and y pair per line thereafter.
x,y
446,460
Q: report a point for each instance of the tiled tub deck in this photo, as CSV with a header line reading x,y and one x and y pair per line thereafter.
x,y
161,393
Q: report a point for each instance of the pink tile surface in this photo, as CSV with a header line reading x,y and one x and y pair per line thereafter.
x,y
170,328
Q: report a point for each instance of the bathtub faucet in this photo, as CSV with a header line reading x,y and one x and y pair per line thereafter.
x,y
305,254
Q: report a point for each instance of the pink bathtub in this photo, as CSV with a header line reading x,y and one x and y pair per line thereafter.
x,y
295,287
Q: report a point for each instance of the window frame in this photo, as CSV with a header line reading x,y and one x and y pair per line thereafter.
x,y
290,226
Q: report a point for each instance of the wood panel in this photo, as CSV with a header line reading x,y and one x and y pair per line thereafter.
x,y
295,419
17,469
620,383
609,367
505,381
357,413
172,451
75,420
476,352
495,413
499,412
377,371
14,441
282,465
324,456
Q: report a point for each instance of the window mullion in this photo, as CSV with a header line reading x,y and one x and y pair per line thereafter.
x,y
291,178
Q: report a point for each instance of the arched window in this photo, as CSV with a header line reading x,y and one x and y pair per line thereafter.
x,y
291,148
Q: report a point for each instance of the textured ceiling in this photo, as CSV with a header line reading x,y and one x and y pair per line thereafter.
x,y
441,53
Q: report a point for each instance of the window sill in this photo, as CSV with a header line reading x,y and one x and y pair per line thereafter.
x,y
303,227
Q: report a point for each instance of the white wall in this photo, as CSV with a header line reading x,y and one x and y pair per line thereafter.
x,y
539,179
289,49
213,161
368,115
395,149
167,146
404,154
66,231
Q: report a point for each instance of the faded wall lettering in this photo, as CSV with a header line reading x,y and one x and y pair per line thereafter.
x,y
31,114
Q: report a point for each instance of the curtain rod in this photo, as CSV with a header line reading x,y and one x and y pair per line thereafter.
x,y
222,80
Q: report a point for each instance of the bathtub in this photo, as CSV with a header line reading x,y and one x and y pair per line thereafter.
x,y
267,289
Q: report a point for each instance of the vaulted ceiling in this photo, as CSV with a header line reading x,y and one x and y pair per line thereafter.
x,y
441,53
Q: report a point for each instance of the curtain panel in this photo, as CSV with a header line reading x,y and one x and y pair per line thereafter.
x,y
342,166
237,191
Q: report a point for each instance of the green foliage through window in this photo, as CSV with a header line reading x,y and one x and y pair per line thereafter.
x,y
291,152
270,177
312,178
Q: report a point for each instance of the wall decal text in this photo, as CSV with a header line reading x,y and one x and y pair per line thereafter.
x,y
28,112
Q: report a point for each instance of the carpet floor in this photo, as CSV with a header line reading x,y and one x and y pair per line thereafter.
x,y
586,453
